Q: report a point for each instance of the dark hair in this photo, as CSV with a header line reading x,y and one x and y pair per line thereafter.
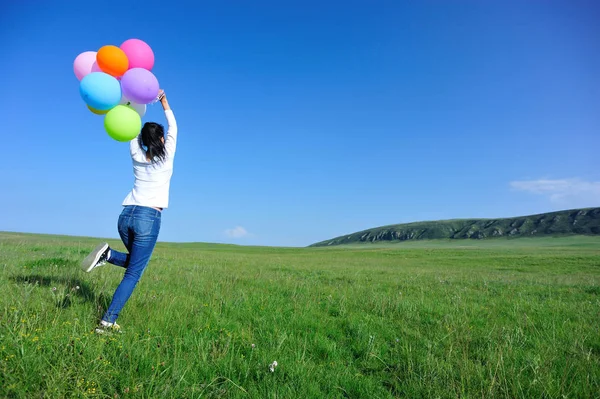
x,y
150,138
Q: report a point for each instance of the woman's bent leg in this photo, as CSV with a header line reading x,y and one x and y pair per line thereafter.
x,y
119,258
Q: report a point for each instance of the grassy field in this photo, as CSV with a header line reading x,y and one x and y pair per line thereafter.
x,y
469,319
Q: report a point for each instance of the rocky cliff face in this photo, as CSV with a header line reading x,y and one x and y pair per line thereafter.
x,y
576,221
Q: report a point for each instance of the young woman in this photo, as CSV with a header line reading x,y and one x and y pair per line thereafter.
x,y
139,223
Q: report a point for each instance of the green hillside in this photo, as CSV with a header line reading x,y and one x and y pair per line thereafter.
x,y
569,222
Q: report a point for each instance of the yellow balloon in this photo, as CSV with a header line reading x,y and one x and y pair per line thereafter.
x,y
97,112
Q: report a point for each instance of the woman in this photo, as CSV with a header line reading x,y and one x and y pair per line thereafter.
x,y
139,223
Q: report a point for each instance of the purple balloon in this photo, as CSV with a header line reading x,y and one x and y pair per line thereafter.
x,y
140,85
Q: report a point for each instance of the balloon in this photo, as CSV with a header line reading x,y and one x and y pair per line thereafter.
x,y
100,91
83,64
140,55
139,108
140,85
122,123
112,60
97,112
95,67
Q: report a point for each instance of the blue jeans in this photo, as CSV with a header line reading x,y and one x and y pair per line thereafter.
x,y
138,228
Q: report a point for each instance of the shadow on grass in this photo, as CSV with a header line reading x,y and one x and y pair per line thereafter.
x,y
75,287
84,291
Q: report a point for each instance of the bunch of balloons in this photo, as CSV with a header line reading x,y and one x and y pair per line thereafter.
x,y
117,82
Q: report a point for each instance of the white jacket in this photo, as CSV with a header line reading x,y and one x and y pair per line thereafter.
x,y
152,180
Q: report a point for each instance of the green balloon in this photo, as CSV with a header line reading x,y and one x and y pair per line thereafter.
x,y
122,123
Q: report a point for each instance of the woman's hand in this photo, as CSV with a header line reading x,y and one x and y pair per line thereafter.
x,y
162,97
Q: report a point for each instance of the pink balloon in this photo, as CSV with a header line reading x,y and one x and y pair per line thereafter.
x,y
83,64
95,67
140,55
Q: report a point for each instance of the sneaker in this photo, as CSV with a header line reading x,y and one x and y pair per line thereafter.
x,y
96,258
108,328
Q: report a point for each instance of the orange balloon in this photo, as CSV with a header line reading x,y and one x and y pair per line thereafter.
x,y
112,60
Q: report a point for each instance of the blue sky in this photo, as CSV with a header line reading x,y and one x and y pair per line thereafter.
x,y
303,120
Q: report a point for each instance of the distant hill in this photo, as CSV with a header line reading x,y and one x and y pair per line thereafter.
x,y
574,221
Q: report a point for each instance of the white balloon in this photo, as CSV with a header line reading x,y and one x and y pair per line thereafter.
x,y
139,108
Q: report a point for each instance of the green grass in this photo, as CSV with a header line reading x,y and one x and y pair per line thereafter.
x,y
498,318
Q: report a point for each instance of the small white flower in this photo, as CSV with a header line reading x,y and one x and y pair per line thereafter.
x,y
76,287
53,288
272,366
253,346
